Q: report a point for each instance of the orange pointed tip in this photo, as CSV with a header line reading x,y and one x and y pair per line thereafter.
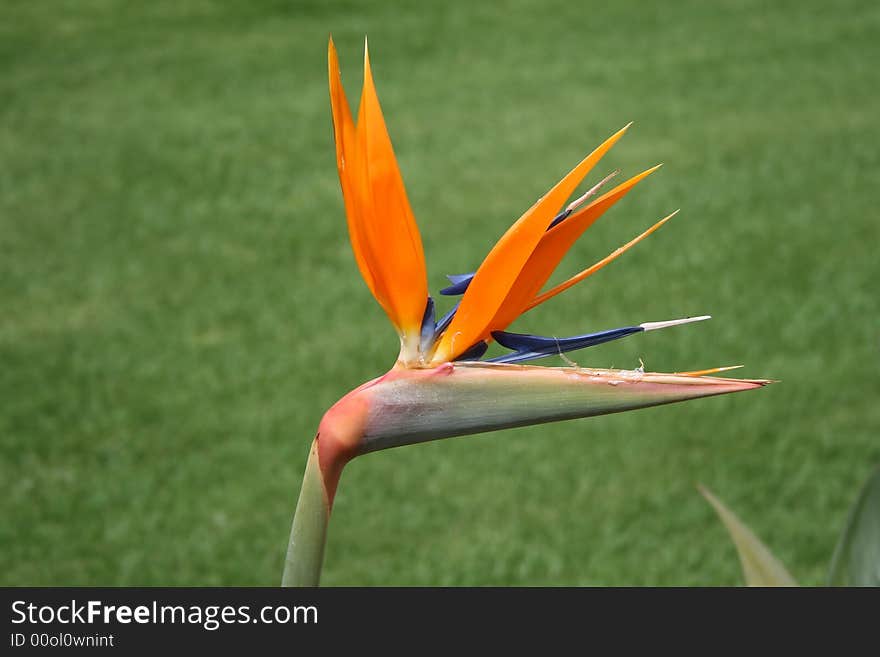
x,y
617,135
331,50
706,375
367,67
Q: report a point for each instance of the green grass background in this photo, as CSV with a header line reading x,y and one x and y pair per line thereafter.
x,y
179,303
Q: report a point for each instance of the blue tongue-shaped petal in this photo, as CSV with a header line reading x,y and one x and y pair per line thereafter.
x,y
528,347
426,338
446,320
474,352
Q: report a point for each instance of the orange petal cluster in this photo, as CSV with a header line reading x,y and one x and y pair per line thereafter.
x,y
388,248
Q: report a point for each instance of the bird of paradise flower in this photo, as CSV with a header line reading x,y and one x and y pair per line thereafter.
x,y
439,387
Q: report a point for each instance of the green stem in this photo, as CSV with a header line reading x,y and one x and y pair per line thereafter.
x,y
305,551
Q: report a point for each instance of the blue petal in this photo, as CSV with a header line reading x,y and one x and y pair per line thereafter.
x,y
459,282
474,352
446,319
426,338
528,347
559,218
460,278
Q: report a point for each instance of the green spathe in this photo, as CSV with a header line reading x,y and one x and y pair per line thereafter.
x,y
410,406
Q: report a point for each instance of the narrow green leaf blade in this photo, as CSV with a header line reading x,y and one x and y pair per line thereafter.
x,y
760,567
856,560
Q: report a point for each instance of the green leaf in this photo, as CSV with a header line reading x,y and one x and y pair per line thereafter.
x,y
760,567
856,560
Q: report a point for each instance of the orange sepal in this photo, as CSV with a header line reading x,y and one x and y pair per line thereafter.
x,y
382,228
503,265
550,251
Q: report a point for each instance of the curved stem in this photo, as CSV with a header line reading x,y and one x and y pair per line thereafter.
x,y
305,550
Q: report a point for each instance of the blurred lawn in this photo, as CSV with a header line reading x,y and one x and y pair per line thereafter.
x,y
180,304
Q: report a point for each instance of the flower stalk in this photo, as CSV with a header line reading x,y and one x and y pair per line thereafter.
x,y
308,535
